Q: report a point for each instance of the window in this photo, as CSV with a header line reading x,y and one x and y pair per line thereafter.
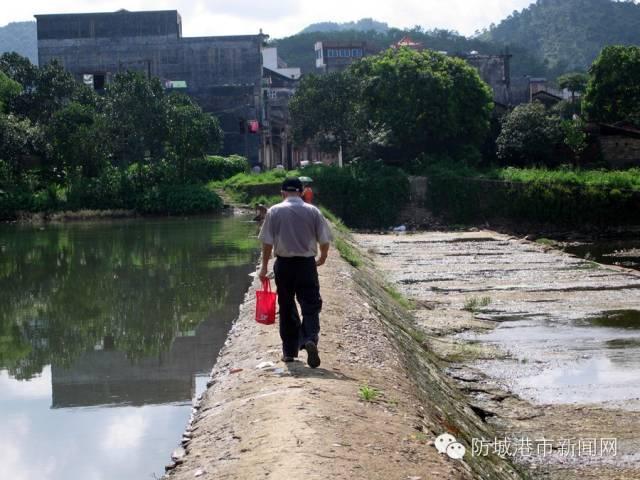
x,y
356,52
98,81
344,52
331,52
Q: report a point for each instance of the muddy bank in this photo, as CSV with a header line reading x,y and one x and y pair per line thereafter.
x,y
544,344
261,418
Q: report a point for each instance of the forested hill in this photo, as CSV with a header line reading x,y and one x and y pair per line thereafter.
x,y
568,34
20,37
298,50
362,25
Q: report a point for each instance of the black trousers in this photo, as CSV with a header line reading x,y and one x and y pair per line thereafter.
x,y
297,278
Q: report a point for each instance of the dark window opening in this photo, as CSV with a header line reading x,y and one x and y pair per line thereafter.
x,y
98,81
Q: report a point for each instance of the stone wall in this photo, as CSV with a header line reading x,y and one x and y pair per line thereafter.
x,y
620,151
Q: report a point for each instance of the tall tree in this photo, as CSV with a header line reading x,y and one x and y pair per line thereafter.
x,y
325,111
424,102
9,89
136,112
613,91
190,132
575,82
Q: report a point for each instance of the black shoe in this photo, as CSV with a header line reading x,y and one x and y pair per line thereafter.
x,y
313,359
287,359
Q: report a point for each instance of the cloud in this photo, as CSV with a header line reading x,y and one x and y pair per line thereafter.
x,y
36,388
124,433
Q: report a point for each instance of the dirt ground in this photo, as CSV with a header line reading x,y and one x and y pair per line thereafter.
x,y
285,421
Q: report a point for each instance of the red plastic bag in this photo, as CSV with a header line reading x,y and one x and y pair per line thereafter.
x,y
266,304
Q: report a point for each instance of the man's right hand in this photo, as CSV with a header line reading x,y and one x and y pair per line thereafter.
x,y
263,274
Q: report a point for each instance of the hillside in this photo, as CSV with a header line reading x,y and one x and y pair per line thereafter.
x,y
568,34
298,50
362,25
20,37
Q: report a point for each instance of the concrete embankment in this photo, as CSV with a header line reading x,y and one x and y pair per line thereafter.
x,y
545,345
261,418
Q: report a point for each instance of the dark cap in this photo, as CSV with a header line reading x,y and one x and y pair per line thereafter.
x,y
292,185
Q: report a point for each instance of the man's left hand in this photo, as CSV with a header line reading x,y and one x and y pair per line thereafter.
x,y
321,261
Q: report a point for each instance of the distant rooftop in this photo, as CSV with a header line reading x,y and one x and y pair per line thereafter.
x,y
109,24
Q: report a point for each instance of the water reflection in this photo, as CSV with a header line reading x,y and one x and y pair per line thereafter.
x,y
130,314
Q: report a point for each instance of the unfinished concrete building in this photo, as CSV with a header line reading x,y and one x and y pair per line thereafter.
x,y
223,74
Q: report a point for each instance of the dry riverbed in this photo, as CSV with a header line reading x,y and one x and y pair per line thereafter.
x,y
545,345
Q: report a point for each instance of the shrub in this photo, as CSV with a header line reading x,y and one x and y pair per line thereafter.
x,y
179,200
529,137
569,197
214,168
364,195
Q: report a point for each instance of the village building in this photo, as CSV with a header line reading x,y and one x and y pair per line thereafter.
x,y
279,85
338,56
223,74
619,144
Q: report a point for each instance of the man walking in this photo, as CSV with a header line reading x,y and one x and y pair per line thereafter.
x,y
292,230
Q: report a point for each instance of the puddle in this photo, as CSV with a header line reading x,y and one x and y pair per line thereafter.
x,y
628,319
622,253
565,360
622,343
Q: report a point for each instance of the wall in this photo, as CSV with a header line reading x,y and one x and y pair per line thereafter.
x,y
494,70
620,151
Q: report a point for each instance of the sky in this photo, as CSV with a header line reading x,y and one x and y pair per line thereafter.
x,y
280,18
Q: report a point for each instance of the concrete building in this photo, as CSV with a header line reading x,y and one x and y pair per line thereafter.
x,y
223,74
337,56
495,70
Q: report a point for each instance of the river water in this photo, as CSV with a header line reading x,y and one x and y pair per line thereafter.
x,y
107,333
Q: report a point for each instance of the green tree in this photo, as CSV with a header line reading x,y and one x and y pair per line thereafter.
x,y
19,140
325,110
529,136
45,89
190,132
574,136
137,116
79,138
9,89
424,102
613,91
575,82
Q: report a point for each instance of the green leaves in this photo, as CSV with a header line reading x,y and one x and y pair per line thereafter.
x,y
395,106
613,91
529,136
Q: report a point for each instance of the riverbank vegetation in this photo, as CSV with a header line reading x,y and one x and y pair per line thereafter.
x,y
64,146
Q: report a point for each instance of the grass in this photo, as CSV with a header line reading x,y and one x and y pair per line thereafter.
x,y
474,304
546,242
367,393
248,179
607,179
337,222
349,253
610,179
398,297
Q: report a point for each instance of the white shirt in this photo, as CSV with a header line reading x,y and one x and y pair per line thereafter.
x,y
295,229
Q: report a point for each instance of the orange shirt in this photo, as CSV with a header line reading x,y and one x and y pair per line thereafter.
x,y
307,195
